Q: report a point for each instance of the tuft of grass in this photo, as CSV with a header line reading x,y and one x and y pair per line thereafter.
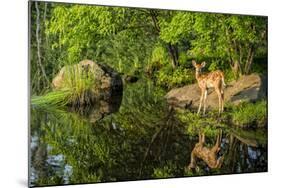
x,y
164,172
77,89
250,114
54,98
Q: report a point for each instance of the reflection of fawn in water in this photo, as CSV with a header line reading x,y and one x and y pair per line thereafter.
x,y
208,155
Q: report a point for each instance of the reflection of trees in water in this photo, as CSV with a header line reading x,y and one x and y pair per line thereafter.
x,y
66,134
245,154
144,139
43,169
166,147
122,146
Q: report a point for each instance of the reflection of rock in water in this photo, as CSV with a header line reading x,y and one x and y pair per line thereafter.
x,y
102,108
208,155
112,91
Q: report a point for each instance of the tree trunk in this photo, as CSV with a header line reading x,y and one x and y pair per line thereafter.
x,y
155,21
235,64
44,20
236,69
249,61
240,58
235,53
173,51
38,39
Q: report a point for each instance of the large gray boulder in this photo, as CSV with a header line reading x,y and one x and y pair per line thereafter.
x,y
247,88
107,82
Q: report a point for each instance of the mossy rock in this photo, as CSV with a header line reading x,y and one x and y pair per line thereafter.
x,y
95,80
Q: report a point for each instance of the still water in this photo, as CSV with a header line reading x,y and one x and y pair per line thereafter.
x,y
134,136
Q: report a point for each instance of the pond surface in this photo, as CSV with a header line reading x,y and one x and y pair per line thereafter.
x,y
137,136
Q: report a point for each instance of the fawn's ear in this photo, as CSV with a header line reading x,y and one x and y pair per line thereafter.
x,y
203,64
194,63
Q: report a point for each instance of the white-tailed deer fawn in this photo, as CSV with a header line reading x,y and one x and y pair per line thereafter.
x,y
214,80
208,155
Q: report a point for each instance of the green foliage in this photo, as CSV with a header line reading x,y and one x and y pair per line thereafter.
x,y
164,172
214,65
97,23
194,123
178,29
250,115
198,172
245,115
167,78
130,41
159,59
183,59
159,56
229,37
93,178
106,34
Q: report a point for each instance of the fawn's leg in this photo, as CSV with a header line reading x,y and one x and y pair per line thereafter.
x,y
219,162
219,96
216,147
192,163
222,101
205,99
201,99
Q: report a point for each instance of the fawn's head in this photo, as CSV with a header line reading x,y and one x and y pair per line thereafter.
x,y
198,66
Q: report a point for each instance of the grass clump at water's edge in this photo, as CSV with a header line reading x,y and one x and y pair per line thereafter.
x,y
245,115
195,123
53,98
76,89
250,114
